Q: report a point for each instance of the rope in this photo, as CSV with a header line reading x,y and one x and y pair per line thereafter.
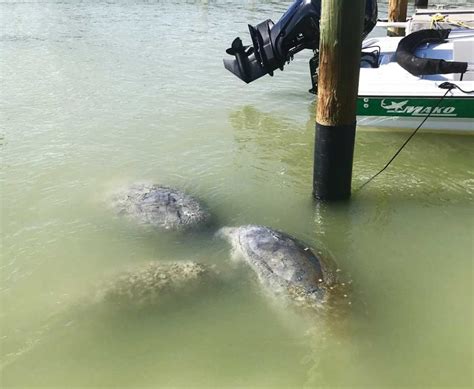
x,y
438,18
445,85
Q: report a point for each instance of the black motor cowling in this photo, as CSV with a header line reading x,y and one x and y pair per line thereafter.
x,y
275,44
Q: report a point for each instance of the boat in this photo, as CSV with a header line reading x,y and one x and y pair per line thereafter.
x,y
426,74
424,77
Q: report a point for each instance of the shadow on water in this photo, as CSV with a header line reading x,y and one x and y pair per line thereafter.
x,y
271,139
421,171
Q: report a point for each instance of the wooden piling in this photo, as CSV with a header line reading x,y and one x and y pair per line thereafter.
x,y
397,12
341,28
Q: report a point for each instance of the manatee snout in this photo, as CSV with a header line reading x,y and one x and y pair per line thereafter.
x,y
231,235
225,233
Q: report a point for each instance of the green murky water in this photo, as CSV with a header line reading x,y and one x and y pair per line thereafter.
x,y
95,95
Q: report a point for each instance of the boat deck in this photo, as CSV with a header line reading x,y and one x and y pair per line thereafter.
x,y
390,76
391,97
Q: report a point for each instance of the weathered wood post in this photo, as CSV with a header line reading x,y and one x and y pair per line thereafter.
x,y
421,3
397,12
341,28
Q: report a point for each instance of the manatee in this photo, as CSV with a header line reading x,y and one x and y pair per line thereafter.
x,y
284,266
158,286
157,282
159,206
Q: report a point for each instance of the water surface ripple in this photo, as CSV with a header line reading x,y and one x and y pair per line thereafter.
x,y
96,95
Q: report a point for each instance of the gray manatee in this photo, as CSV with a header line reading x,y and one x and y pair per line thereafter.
x,y
159,206
157,282
284,266
154,286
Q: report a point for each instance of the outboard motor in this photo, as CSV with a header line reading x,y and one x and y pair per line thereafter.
x,y
275,44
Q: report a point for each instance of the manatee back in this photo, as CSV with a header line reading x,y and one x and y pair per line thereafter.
x,y
157,283
276,254
159,206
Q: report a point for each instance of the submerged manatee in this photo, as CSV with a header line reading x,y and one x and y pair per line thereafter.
x,y
158,282
284,266
156,286
159,206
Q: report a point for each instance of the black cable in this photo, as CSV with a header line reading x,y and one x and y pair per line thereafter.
x,y
444,85
450,85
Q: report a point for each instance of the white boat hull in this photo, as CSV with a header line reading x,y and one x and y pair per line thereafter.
x,y
443,125
392,98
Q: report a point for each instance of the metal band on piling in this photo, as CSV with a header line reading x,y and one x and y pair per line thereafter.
x,y
421,3
333,161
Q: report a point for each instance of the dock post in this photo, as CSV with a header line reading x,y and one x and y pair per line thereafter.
x,y
421,3
397,12
341,28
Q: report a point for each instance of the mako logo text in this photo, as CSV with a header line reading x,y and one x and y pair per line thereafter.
x,y
402,107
